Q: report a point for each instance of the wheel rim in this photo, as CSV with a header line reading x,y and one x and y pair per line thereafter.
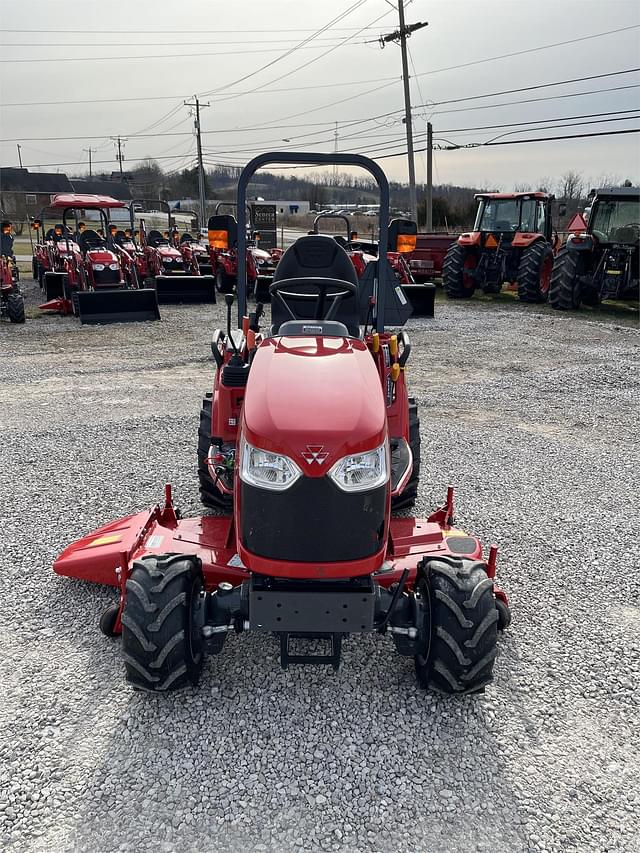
x,y
468,267
545,275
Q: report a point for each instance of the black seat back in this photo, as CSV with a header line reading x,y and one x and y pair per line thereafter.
x,y
186,238
316,256
155,238
90,239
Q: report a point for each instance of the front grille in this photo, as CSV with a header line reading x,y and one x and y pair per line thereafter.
x,y
102,277
312,521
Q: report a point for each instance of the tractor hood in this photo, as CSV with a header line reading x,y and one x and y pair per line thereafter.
x,y
315,399
169,253
101,256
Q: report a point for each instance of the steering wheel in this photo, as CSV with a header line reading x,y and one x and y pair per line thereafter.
x,y
334,288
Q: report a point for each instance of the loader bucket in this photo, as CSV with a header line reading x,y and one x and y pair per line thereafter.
x,y
422,298
186,288
54,284
117,306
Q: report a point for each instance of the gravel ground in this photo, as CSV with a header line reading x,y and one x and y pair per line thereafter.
x,y
532,415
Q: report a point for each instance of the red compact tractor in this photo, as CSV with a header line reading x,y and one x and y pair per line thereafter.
x,y
164,263
512,241
361,252
85,275
313,442
601,262
11,298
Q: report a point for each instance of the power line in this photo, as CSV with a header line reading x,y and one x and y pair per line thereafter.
x,y
171,43
142,135
176,32
155,55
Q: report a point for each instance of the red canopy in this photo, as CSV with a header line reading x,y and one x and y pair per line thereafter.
x,y
85,201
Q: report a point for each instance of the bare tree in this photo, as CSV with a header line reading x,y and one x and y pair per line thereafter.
x,y
571,187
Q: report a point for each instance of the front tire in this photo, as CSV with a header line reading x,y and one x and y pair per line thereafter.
x,y
459,607
457,278
15,307
161,623
223,283
534,272
564,292
210,495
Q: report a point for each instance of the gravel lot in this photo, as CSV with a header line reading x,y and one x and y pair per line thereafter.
x,y
533,416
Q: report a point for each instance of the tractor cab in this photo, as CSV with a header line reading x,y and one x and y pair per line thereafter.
x,y
601,262
507,214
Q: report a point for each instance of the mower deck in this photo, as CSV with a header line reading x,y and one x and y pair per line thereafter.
x,y
100,556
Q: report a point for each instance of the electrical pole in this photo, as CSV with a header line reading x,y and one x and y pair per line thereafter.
x,y
19,155
401,35
202,187
89,151
429,198
119,156
335,148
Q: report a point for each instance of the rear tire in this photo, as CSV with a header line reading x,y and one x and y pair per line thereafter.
x,y
408,497
210,495
462,632
15,307
564,293
454,277
534,272
35,269
161,636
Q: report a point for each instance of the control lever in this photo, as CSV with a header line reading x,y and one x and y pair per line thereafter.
x,y
228,298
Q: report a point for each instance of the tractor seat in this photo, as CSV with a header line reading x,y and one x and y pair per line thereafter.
x,y
625,234
187,238
315,256
90,240
155,239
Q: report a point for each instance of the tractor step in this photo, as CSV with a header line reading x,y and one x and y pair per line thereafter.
x,y
332,658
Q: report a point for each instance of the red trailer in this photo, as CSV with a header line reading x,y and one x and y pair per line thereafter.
x,y
426,260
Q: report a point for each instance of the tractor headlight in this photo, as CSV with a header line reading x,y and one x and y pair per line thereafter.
x,y
267,470
98,267
113,266
361,471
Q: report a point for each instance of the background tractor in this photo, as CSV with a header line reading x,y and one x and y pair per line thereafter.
x,y
164,262
86,274
11,298
512,241
602,261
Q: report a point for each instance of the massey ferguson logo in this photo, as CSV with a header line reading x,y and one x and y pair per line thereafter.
x,y
314,453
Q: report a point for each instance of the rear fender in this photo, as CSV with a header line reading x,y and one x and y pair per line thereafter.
x,y
524,239
472,238
580,243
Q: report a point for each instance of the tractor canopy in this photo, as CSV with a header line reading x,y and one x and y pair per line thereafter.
x,y
84,201
508,213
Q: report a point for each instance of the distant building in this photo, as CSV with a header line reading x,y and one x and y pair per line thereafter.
x,y
24,193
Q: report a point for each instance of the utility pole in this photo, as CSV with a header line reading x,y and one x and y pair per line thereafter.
x,y
119,156
202,187
429,198
335,148
19,155
89,151
400,35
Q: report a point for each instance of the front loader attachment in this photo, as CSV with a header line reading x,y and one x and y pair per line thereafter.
x,y
117,306
185,288
54,285
422,298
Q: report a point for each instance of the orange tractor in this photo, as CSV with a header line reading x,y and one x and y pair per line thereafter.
x,y
513,241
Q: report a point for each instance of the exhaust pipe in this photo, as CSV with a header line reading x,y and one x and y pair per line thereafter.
x,y
117,306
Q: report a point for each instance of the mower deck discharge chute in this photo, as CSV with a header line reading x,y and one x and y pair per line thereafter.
x,y
85,272
308,442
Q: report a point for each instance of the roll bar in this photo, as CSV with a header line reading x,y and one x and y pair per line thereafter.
x,y
330,215
335,159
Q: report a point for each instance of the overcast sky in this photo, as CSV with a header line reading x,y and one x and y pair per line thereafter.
x,y
158,53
